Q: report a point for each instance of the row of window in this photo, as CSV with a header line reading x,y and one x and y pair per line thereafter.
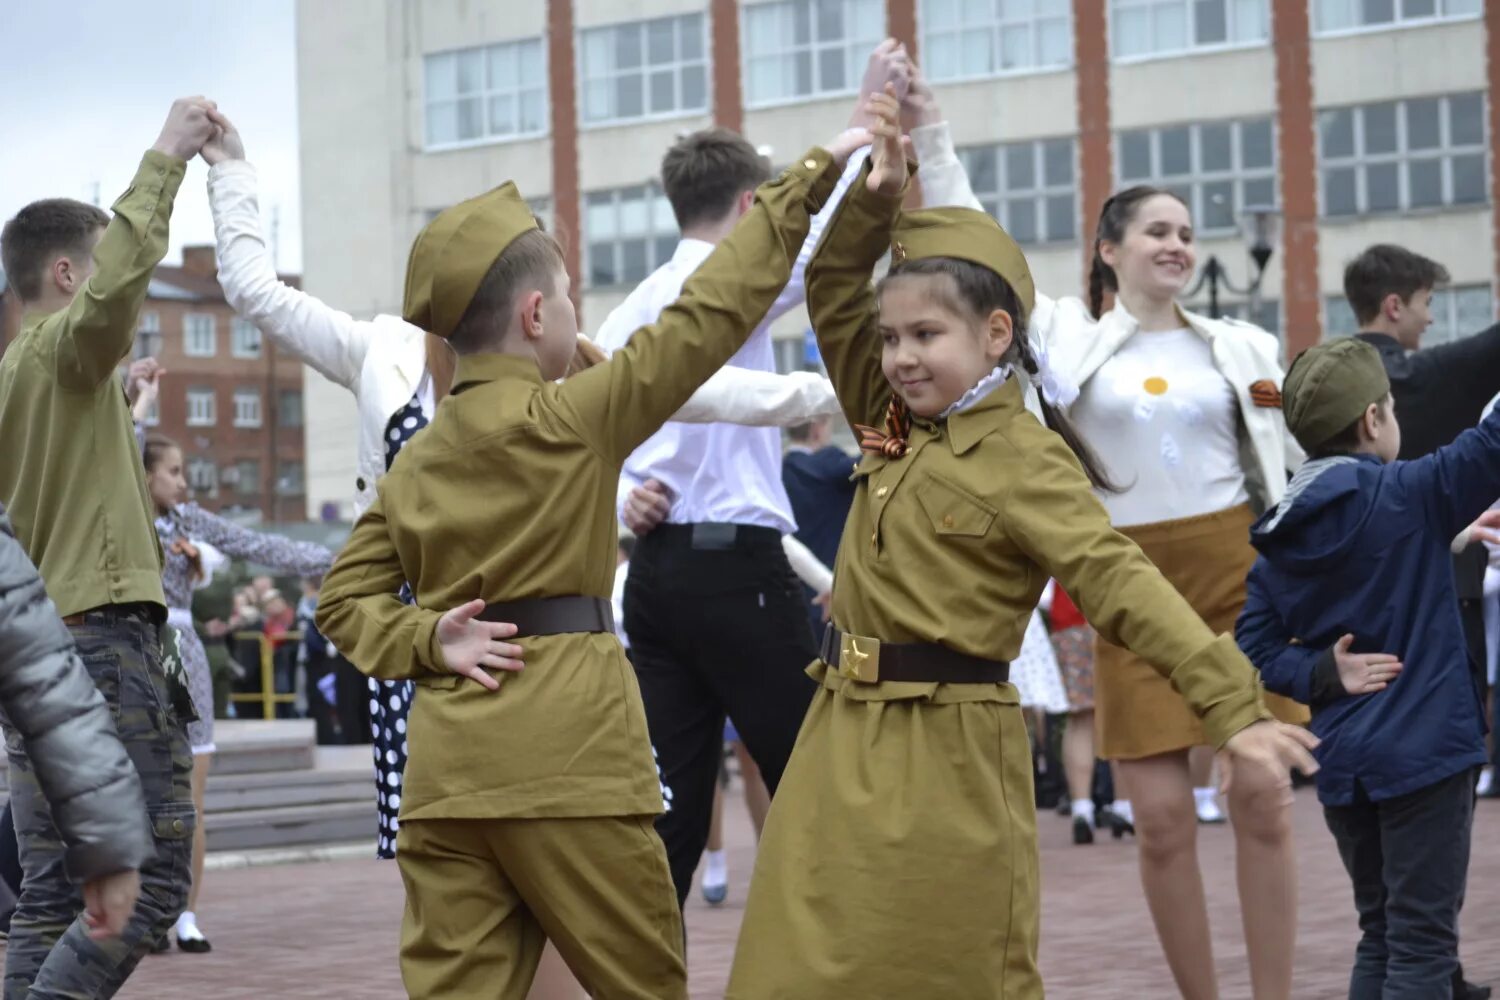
x,y
200,336
1418,153
205,476
797,49
203,408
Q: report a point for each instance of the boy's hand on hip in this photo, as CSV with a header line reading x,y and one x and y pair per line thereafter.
x,y
473,648
1273,748
1364,673
108,903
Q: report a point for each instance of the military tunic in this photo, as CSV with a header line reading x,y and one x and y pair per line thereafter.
x,y
899,859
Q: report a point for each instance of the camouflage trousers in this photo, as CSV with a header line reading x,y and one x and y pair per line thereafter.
x,y
49,955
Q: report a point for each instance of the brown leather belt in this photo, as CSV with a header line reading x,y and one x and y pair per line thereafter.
x,y
553,615
870,660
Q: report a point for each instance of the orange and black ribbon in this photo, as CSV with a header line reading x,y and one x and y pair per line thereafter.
x,y
892,441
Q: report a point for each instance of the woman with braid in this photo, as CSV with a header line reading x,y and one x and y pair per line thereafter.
x,y
899,858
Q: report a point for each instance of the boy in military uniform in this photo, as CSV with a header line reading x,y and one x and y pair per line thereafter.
x,y
899,859
73,482
527,803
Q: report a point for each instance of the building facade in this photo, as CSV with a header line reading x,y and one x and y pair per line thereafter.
x,y
234,408
1360,121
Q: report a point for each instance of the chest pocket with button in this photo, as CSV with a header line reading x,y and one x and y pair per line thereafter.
x,y
953,511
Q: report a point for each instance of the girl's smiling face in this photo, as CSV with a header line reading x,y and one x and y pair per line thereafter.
x,y
933,348
1157,257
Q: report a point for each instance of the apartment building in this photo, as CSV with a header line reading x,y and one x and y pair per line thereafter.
x,y
1344,122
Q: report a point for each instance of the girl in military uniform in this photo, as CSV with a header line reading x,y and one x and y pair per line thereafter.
x,y
899,859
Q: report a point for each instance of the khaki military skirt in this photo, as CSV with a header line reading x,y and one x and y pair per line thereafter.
x,y
1137,714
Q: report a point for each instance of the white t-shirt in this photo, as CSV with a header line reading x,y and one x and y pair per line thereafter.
x,y
1164,423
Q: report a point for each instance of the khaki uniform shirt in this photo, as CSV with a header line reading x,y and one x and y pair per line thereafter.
x,y
953,543
509,494
70,470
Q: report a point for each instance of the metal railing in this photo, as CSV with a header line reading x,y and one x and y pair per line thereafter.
x,y
268,695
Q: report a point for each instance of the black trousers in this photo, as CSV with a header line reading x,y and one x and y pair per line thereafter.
x,y
715,630
1409,860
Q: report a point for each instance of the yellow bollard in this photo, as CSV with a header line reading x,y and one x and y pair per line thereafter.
x,y
268,697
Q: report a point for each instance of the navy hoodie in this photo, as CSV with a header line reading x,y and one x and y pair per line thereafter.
x,y
1361,547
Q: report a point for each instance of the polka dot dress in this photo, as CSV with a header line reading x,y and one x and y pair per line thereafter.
x,y
390,701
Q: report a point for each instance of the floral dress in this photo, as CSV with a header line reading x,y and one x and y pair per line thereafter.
x,y
179,529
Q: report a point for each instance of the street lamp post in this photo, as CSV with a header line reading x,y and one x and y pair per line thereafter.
x,y
1259,225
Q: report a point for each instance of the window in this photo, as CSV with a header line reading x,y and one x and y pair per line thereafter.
x,y
198,340
1342,15
1424,152
542,209
244,338
969,38
1218,168
148,335
201,408
246,408
203,477
490,93
289,408
1157,27
803,48
153,414
644,69
630,232
247,478
1027,186
289,478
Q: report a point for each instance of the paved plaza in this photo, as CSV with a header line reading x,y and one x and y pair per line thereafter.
x,y
329,929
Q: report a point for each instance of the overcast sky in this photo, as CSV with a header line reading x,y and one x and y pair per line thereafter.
x,y
85,86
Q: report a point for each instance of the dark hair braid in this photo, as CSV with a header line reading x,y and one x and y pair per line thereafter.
x,y
1058,422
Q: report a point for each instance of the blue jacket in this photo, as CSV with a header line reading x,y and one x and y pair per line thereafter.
x,y
1360,547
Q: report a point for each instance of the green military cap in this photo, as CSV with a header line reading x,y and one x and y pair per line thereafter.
x,y
1329,387
455,251
968,235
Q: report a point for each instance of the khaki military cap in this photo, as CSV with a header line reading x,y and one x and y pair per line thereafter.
x,y
968,235
455,251
1329,387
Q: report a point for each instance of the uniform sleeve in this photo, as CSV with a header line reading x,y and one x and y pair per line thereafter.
x,y
944,182
1285,667
331,342
359,612
1055,519
97,329
278,552
616,405
760,399
1464,376
841,301
1459,481
796,287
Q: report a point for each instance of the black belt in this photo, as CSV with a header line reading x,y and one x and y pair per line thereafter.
x,y
871,660
714,536
142,612
553,615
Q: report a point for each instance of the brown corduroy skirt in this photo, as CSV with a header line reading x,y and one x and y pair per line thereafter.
x,y
1136,713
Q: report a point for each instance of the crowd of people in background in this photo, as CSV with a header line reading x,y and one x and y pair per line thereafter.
x,y
1070,546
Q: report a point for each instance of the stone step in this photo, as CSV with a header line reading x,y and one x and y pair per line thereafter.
x,y
248,746
271,789
286,826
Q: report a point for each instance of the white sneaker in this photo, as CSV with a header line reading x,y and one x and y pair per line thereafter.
x,y
1486,781
1207,805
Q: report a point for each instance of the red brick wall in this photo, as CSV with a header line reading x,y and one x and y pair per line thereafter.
x,y
729,105
564,101
1297,152
1096,172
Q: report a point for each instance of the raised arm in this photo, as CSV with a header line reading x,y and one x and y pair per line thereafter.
x,y
760,399
1459,481
278,553
620,403
328,340
97,329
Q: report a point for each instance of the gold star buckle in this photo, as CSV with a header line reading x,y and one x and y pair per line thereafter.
x,y
859,658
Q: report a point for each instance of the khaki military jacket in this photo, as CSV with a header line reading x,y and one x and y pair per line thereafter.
x,y
953,542
70,469
509,494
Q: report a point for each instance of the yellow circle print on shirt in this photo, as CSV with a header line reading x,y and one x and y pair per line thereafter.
x,y
1155,385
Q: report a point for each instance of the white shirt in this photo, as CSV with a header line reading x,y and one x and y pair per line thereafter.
x,y
1163,420
716,472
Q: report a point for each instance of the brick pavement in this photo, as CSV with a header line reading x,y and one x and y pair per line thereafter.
x,y
329,930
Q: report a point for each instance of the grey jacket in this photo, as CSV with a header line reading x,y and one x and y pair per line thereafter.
x,y
51,703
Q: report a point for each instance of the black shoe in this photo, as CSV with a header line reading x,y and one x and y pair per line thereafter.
x,y
1464,990
194,946
162,946
1083,832
1119,826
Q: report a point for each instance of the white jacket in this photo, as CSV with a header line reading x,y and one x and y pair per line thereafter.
x,y
1077,345
382,360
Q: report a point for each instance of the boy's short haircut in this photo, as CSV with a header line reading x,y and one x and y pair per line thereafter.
x,y
40,233
1385,268
703,173
1346,441
531,262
